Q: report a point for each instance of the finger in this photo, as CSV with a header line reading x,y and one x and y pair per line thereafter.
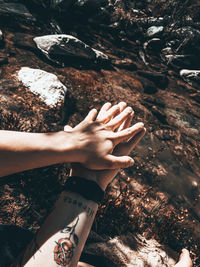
x,y
113,111
102,111
184,260
67,128
122,106
118,120
127,133
91,115
127,122
115,162
126,148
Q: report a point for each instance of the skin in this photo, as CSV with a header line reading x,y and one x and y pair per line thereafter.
x,y
91,143
98,146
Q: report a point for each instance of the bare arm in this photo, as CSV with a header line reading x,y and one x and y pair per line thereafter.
x,y
90,143
61,238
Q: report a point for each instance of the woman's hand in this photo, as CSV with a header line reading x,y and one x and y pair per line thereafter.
x,y
104,177
93,141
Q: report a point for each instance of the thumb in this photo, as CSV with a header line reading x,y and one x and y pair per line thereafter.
x,y
184,260
67,128
114,162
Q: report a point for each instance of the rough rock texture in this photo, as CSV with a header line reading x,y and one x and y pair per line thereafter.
x,y
159,196
44,84
192,75
62,47
154,31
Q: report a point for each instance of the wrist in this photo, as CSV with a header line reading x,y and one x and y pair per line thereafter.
x,y
78,170
65,147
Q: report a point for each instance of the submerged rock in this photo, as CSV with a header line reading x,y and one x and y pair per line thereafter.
x,y
1,35
44,84
193,75
153,45
60,48
159,79
154,31
184,61
15,11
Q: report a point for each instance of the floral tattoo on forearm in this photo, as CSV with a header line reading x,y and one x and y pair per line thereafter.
x,y
64,249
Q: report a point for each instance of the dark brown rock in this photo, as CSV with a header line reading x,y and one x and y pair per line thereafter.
x,y
126,64
159,79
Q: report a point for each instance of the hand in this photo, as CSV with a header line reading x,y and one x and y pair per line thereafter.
x,y
104,177
184,259
94,141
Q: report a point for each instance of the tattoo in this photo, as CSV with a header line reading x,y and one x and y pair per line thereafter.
x,y
89,211
64,249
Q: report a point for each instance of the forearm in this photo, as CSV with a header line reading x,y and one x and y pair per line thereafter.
x,y
61,238
21,151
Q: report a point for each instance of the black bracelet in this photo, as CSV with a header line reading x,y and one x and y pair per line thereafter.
x,y
88,189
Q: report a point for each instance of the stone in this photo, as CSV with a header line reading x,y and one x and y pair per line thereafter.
x,y
149,86
188,40
15,11
154,31
150,21
44,84
3,58
60,48
183,61
159,79
126,63
153,45
1,35
193,75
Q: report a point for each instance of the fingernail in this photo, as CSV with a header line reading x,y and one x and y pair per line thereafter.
x,y
129,110
131,162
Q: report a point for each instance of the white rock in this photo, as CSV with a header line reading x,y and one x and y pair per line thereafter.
x,y
1,35
154,31
190,73
100,54
44,84
64,45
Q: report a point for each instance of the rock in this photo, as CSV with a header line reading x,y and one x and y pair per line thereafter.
x,y
44,84
153,45
3,58
183,61
1,36
193,75
154,31
150,21
149,86
126,63
166,51
188,40
159,79
13,12
60,48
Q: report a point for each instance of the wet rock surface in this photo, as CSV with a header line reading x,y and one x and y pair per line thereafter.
x,y
158,77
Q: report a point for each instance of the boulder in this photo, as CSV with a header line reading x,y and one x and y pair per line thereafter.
x,y
159,79
154,31
60,48
183,61
193,75
46,85
13,12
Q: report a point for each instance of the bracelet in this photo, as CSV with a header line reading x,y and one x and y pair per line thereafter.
x,y
88,189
